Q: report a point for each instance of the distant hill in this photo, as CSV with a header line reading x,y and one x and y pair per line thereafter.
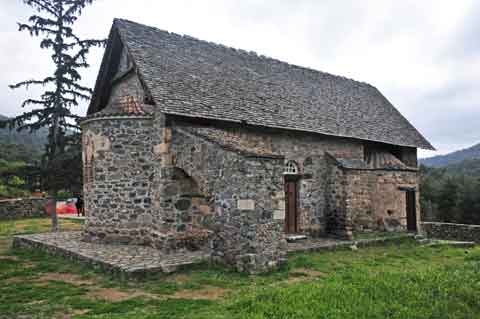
x,y
36,139
469,167
23,145
468,154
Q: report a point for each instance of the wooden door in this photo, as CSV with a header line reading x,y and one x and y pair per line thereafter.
x,y
411,210
291,206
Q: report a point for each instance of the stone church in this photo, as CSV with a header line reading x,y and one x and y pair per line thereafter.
x,y
194,145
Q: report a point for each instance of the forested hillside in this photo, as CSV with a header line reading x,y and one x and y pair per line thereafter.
x,y
470,167
20,164
20,153
21,146
453,158
450,187
452,193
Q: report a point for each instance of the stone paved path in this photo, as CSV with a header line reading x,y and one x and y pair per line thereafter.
x,y
138,261
319,244
129,260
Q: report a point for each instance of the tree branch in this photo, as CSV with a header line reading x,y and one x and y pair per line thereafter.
x,y
32,82
41,5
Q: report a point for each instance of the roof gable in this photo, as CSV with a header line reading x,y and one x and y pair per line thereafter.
x,y
190,77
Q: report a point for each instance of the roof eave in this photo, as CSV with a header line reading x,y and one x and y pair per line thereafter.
x,y
426,146
96,96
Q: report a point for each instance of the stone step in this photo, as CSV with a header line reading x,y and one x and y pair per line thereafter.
x,y
295,237
419,237
423,241
452,243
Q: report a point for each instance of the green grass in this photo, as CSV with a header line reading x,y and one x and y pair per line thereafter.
x,y
36,225
394,281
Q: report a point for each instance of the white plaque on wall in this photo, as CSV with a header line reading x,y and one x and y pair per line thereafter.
x,y
246,204
279,214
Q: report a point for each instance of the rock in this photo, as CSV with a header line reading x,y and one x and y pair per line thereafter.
x,y
392,224
183,204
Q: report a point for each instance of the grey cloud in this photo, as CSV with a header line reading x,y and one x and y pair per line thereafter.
x,y
467,42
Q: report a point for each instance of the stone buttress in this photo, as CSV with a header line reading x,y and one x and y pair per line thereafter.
x,y
148,183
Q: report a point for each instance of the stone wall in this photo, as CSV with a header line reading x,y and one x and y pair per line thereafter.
x,y
174,184
155,185
375,200
409,156
129,86
451,231
367,199
306,150
126,81
135,195
118,197
182,213
338,222
22,208
245,194
330,200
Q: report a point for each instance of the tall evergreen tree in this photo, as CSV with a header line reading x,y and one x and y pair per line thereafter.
x,y
63,91
448,200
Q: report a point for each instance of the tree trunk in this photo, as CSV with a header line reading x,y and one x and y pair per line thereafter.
x,y
55,227
51,209
54,142
53,153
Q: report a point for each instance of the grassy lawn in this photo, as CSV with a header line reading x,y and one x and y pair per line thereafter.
x,y
397,281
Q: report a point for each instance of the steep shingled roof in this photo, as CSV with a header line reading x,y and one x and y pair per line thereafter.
x,y
190,77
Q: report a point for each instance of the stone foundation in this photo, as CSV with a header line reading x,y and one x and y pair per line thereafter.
x,y
138,262
129,261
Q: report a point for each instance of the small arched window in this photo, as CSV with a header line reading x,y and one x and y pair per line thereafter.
x,y
291,168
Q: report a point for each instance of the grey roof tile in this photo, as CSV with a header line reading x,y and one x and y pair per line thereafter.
x,y
196,78
383,161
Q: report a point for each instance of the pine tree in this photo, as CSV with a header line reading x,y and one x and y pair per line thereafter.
x,y
448,200
63,91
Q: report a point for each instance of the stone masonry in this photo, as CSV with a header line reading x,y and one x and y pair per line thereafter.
x,y
176,184
22,208
306,150
117,154
450,231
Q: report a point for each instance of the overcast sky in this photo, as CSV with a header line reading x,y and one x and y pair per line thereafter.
x,y
423,55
